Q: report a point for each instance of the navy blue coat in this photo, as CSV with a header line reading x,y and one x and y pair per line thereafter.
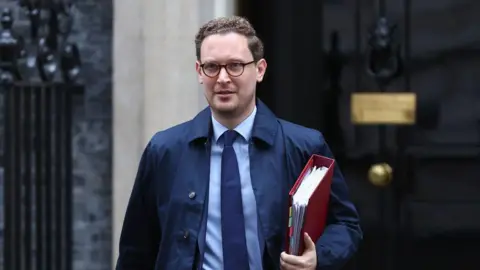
x,y
168,201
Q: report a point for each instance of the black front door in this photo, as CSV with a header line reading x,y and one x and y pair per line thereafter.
x,y
320,52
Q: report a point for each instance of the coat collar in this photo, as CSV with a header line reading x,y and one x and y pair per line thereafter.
x,y
264,126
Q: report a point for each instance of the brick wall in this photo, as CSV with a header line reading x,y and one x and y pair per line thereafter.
x,y
92,134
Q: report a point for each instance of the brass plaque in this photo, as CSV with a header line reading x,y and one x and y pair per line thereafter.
x,y
383,108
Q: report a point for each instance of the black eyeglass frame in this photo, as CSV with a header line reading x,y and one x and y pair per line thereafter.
x,y
226,69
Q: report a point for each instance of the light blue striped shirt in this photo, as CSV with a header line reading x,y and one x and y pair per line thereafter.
x,y
213,258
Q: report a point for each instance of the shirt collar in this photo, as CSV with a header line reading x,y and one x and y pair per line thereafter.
x,y
244,128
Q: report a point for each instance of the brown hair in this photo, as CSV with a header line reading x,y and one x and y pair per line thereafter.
x,y
234,24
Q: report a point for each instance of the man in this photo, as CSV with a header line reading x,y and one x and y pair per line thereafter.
x,y
211,193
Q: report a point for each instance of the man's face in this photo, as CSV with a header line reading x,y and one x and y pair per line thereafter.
x,y
228,90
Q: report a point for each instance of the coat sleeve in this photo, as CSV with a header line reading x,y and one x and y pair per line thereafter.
x,y
341,237
140,235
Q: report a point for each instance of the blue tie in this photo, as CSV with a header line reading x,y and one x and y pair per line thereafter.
x,y
235,254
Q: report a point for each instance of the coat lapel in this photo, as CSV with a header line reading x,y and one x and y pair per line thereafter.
x,y
199,171
268,174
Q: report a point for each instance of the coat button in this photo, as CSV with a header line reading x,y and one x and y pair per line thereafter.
x,y
192,195
186,234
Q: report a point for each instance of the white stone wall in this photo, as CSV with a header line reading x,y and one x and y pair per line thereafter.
x,y
155,84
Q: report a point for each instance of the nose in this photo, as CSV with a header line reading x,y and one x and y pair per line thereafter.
x,y
223,75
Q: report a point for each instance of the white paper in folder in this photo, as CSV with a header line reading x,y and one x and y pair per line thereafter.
x,y
300,202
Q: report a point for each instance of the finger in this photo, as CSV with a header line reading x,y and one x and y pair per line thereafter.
x,y
309,244
291,260
287,266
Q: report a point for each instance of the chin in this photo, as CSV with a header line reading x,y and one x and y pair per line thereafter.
x,y
224,107
230,104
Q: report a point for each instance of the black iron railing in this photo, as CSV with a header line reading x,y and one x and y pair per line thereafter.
x,y
38,176
38,74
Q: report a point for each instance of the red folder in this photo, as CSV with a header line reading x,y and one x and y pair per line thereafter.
x,y
315,217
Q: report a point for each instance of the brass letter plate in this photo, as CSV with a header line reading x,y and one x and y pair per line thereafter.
x,y
383,108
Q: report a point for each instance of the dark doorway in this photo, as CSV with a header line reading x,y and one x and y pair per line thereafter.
x,y
294,55
318,54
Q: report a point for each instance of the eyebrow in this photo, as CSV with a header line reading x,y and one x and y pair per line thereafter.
x,y
234,60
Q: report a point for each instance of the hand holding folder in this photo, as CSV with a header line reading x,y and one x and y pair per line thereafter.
x,y
308,203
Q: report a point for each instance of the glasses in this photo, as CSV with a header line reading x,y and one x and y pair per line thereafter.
x,y
233,69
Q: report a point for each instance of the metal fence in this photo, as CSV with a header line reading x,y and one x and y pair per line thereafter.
x,y
38,72
38,176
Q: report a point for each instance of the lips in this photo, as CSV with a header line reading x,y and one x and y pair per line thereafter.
x,y
225,92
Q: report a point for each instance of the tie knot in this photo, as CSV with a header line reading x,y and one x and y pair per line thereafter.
x,y
229,137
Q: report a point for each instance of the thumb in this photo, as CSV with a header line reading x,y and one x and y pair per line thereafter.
x,y
309,244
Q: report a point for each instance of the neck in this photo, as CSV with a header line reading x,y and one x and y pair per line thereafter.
x,y
232,120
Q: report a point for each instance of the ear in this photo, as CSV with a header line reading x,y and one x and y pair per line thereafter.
x,y
261,69
198,68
